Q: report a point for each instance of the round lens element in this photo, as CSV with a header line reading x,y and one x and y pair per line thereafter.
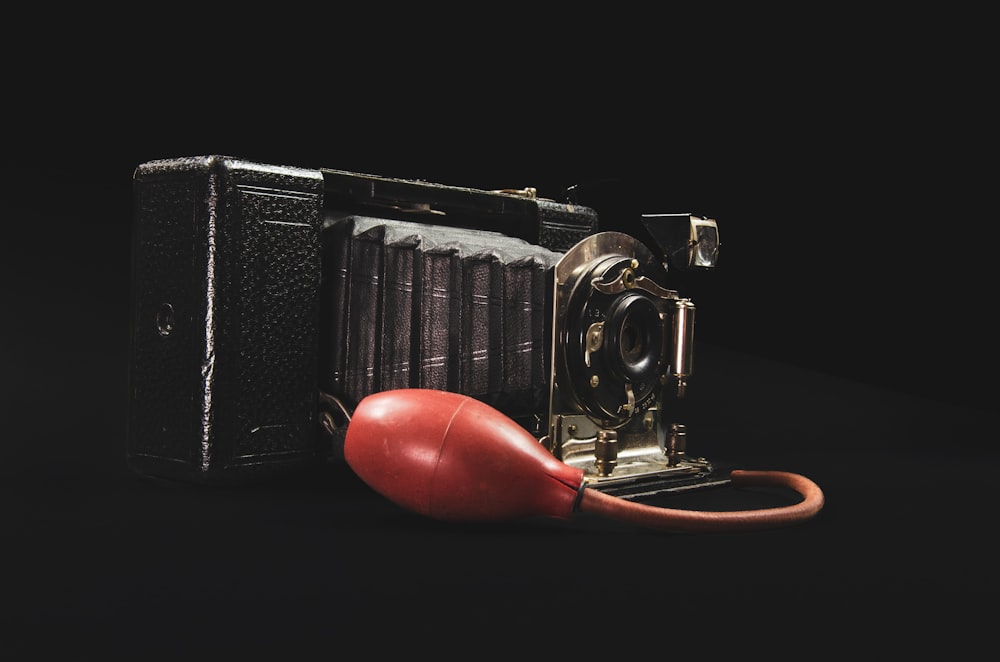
x,y
635,336
708,247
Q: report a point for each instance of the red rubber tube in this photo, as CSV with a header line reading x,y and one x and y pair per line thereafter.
x,y
700,521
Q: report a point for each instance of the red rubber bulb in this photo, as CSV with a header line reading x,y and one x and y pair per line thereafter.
x,y
451,457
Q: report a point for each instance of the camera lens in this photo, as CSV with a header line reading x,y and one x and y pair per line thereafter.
x,y
631,342
635,336
621,373
612,328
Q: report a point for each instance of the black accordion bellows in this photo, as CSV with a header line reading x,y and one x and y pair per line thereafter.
x,y
409,305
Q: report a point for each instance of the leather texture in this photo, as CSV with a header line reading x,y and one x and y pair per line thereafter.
x,y
424,306
231,248
562,226
254,290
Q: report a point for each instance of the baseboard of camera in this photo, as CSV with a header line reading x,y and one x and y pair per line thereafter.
x,y
639,489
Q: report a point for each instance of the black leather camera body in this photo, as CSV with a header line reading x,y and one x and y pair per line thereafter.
x,y
269,300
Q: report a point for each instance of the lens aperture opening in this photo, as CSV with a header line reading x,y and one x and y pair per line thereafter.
x,y
635,338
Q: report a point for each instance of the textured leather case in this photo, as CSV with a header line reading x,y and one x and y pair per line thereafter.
x,y
226,272
410,305
543,222
260,290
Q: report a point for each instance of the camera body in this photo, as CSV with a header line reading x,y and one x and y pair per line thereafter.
x,y
268,301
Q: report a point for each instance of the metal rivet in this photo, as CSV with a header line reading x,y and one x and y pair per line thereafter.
x,y
165,319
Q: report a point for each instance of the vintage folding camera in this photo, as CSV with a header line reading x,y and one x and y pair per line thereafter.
x,y
268,300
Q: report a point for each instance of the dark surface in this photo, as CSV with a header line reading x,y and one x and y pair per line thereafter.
x,y
847,336
115,561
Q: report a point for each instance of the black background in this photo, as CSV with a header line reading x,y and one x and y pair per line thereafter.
x,y
848,173
847,169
